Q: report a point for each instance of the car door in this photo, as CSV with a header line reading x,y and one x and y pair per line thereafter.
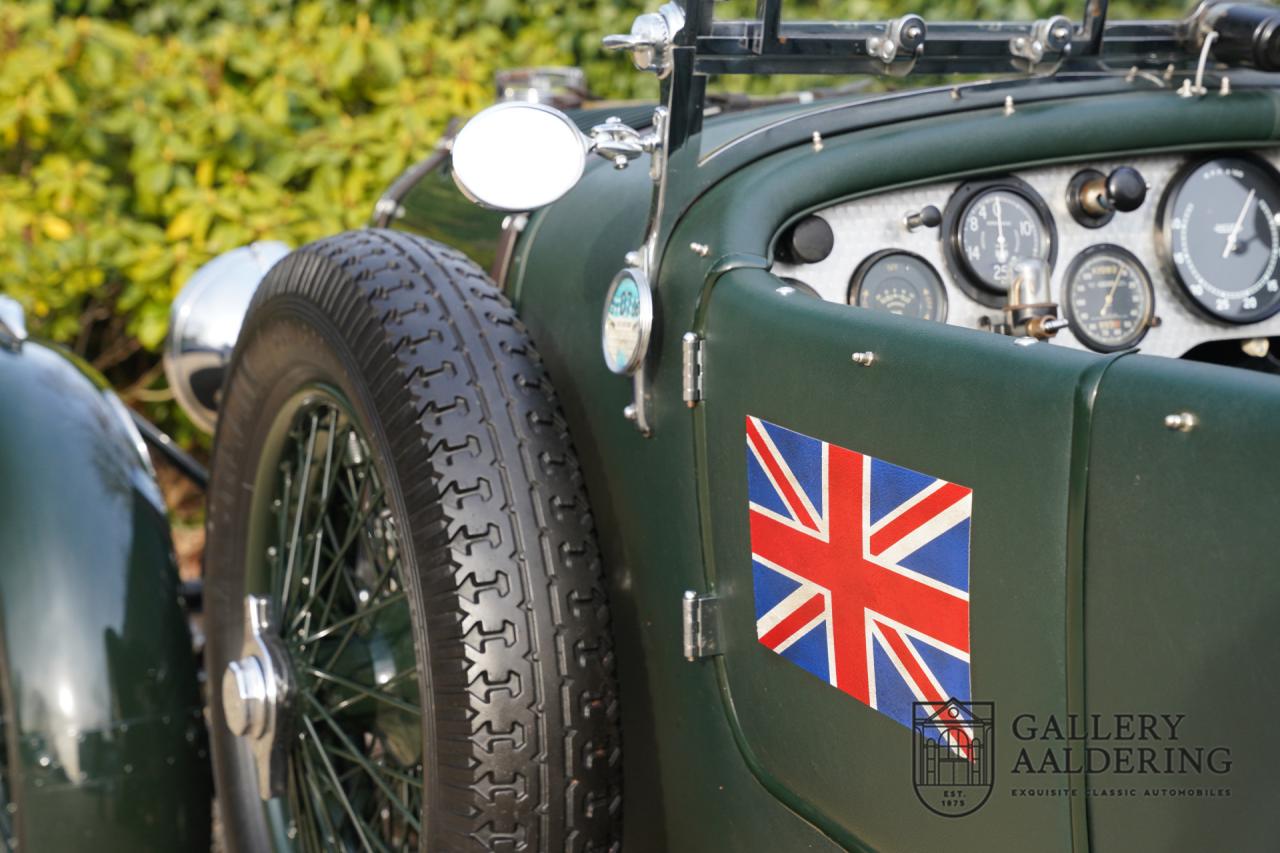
x,y
888,520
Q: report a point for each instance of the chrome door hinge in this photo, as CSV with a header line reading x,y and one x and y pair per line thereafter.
x,y
701,620
692,362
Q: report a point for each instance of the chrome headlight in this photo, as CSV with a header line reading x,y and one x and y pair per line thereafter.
x,y
204,323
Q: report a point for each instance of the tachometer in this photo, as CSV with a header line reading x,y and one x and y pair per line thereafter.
x,y
988,227
900,283
1108,298
1220,237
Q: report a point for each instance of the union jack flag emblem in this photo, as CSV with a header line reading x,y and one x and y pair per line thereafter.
x,y
861,570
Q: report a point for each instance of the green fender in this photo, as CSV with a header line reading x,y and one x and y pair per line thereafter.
x,y
105,745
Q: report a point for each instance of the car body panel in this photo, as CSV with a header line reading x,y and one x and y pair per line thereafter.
x,y
725,752
1180,591
102,706
765,355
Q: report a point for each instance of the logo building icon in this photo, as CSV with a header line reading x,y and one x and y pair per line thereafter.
x,y
953,755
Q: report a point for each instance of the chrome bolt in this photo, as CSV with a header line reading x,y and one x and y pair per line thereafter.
x,y
256,693
865,359
700,249
630,412
817,141
1181,421
1008,105
244,697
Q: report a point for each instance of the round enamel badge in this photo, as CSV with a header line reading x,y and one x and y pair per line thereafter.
x,y
628,319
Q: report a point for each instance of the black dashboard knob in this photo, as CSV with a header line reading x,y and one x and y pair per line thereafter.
x,y
807,242
926,217
1094,198
1126,189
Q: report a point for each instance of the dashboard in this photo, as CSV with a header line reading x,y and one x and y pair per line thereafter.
x,y
1159,253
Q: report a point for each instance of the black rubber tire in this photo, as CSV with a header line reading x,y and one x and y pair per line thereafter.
x,y
521,726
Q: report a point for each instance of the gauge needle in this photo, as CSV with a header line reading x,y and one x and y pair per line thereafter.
x,y
1235,229
1001,252
1111,295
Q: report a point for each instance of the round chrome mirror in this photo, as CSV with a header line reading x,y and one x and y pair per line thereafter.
x,y
204,323
518,156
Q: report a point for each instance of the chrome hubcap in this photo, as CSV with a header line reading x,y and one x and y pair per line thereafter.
x,y
255,695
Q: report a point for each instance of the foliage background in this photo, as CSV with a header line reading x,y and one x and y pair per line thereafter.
x,y
138,139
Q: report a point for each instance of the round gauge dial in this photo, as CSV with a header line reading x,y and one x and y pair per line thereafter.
x,y
1220,237
628,321
900,283
991,226
1108,297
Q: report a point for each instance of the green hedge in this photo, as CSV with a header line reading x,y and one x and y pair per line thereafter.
x,y
138,139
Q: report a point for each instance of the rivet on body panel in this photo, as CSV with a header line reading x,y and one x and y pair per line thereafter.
x,y
865,359
1181,421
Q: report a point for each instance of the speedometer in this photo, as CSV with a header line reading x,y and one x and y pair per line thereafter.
x,y
991,225
1108,298
1220,237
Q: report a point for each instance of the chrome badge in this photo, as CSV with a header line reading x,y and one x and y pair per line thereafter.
x,y
628,319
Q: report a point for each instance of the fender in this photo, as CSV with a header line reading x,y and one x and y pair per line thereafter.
x,y
105,745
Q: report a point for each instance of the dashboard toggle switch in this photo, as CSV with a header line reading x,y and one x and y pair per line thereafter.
x,y
926,217
1094,198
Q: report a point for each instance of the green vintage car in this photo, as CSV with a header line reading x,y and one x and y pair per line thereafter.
x,y
841,470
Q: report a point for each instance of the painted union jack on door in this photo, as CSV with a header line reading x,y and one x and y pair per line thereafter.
x,y
861,569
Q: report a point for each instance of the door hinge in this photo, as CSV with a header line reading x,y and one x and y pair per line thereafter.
x,y
701,619
691,360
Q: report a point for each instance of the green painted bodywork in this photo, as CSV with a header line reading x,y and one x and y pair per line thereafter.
x,y
1117,566
105,737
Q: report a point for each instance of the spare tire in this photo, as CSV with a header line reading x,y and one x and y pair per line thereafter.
x,y
393,476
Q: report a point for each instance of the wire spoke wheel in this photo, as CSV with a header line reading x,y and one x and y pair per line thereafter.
x,y
334,576
405,596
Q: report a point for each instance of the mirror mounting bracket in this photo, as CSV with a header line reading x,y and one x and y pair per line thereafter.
x,y
620,144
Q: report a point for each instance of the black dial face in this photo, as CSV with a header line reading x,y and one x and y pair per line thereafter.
x,y
1221,237
900,283
997,228
1109,298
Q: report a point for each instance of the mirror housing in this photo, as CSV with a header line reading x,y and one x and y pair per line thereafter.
x,y
522,156
518,156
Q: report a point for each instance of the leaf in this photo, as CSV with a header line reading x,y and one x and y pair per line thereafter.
x,y
350,61
55,227
182,225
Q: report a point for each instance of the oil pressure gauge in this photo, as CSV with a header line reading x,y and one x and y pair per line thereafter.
x,y
988,227
1219,236
1108,298
900,283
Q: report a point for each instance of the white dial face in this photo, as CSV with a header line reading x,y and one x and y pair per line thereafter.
x,y
999,228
